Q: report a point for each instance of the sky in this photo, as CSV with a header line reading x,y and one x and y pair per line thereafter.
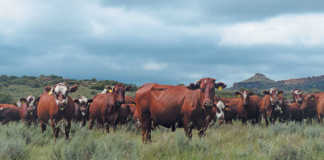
x,y
140,41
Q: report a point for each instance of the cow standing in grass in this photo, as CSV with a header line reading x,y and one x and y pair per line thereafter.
x,y
269,105
105,107
22,111
81,109
56,105
168,105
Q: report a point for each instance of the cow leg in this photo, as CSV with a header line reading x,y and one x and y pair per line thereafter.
x,y
187,127
265,118
67,129
107,126
91,123
146,127
55,129
319,118
84,122
43,127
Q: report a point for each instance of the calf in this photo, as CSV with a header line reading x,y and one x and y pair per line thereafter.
x,y
81,109
104,108
9,112
55,105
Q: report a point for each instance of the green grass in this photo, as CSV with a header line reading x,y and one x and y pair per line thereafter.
x,y
281,141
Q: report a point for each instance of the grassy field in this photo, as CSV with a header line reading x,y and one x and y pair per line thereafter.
x,y
279,142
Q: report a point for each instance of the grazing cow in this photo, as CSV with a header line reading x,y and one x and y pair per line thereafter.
x,y
56,105
269,105
168,105
313,106
9,112
81,109
104,107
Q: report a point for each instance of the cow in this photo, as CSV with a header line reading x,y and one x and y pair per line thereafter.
x,y
9,112
313,106
104,107
126,110
32,103
269,106
169,105
81,109
56,105
298,96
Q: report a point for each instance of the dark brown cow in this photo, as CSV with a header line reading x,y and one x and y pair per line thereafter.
x,y
104,107
168,105
269,104
313,106
244,107
9,112
81,109
55,104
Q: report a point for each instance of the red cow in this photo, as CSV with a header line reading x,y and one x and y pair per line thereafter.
x,y
269,104
104,107
81,109
9,112
168,105
313,106
55,104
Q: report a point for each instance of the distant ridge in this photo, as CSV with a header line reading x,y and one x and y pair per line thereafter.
x,y
260,81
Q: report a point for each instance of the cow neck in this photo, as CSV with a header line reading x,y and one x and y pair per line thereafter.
x,y
22,110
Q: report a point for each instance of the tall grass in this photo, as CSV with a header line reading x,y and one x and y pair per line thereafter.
x,y
281,141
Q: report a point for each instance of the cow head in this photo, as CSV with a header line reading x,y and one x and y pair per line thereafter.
x,y
119,92
83,103
279,107
309,102
32,104
298,95
245,96
273,95
61,92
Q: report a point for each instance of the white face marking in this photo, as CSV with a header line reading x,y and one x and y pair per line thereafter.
x,y
31,101
245,94
63,89
83,99
220,105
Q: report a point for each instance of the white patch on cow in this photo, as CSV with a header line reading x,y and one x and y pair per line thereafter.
x,y
83,113
104,91
18,104
31,101
245,94
220,105
63,89
83,99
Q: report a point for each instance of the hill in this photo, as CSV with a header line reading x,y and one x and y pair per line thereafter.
x,y
260,81
12,87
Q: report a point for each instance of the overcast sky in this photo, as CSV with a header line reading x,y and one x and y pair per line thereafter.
x,y
138,41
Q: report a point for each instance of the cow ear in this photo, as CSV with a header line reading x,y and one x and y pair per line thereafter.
x,y
73,88
280,92
220,85
76,101
266,92
250,94
237,93
193,86
47,88
128,88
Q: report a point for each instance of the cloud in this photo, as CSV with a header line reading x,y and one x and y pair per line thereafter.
x,y
286,30
154,66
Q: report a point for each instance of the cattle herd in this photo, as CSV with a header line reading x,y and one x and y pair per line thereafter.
x,y
190,107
